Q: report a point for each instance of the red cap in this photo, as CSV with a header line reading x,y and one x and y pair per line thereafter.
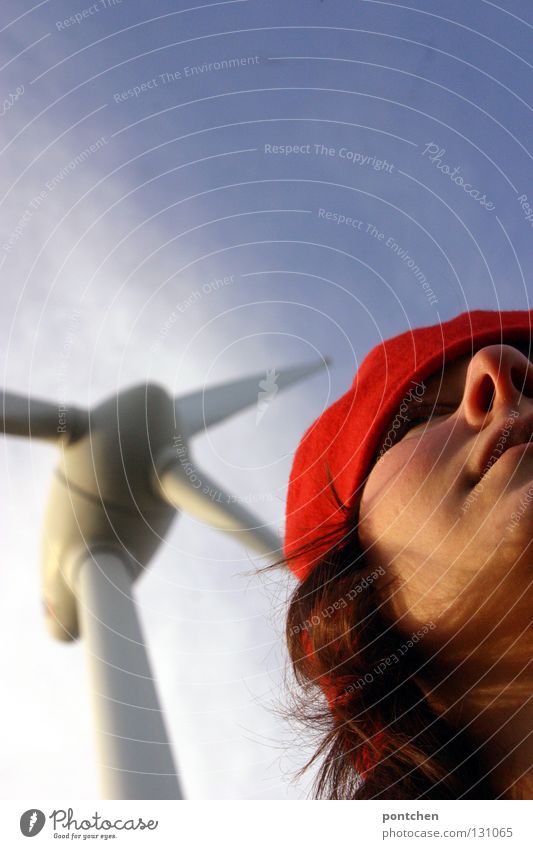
x,y
347,434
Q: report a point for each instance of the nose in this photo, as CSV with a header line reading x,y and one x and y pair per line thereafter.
x,y
499,377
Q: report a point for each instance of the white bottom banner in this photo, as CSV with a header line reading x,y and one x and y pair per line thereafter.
x,y
259,824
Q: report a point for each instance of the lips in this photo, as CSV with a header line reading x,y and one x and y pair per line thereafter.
x,y
512,432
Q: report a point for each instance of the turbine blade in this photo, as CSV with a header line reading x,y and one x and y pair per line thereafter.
x,y
210,504
23,416
212,405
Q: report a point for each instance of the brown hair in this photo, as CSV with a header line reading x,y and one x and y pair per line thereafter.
x,y
380,739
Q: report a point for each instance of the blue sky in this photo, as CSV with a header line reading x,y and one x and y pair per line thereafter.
x,y
309,152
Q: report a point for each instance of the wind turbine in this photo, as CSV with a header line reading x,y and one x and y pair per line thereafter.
x,y
124,470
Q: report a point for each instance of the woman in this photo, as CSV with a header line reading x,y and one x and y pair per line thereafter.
x,y
409,528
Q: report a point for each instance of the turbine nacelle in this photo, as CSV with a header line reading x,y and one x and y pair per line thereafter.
x,y
102,497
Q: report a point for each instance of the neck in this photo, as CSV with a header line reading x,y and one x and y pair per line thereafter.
x,y
492,698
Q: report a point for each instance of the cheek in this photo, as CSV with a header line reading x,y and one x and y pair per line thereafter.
x,y
399,492
392,538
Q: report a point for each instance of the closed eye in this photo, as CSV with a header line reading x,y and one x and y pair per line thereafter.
x,y
426,415
417,415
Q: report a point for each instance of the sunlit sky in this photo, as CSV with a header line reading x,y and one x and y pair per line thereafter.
x,y
306,156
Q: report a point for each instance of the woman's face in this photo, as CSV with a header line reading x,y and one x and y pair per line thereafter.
x,y
448,509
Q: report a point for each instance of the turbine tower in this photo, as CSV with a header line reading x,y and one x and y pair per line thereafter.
x,y
124,470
